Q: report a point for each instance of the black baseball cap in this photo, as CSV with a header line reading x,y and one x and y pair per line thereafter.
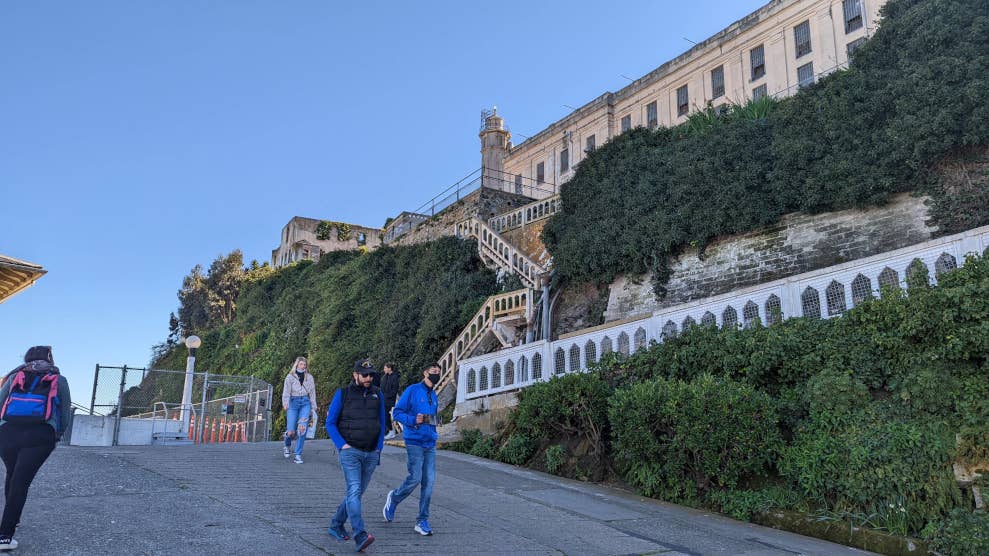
x,y
364,367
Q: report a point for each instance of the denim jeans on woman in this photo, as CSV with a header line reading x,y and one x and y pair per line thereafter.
x,y
422,471
357,466
299,413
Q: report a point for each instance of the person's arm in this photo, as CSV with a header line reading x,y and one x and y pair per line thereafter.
x,y
332,418
65,399
286,390
403,412
312,391
381,435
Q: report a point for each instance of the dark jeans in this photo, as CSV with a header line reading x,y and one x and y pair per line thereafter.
x,y
24,448
388,408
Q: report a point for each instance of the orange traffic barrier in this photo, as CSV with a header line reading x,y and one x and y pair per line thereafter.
x,y
223,432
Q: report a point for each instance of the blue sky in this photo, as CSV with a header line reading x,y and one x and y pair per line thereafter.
x,y
138,139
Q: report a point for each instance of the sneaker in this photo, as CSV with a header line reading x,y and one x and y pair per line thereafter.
x,y
423,528
389,510
298,458
7,543
363,541
390,435
286,452
339,533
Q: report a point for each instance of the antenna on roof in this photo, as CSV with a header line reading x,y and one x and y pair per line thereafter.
x,y
688,40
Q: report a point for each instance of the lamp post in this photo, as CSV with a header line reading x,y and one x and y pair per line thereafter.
x,y
193,343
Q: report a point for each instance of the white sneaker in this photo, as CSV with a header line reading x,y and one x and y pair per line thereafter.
x,y
7,543
298,459
286,452
390,435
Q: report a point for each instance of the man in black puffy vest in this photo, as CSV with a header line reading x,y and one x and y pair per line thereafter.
x,y
356,424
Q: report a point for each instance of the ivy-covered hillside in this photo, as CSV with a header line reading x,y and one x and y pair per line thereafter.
x,y
916,91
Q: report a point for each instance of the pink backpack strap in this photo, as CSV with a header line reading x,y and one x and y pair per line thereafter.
x,y
52,392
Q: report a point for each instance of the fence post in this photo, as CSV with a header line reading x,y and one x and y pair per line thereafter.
x,y
202,408
96,382
120,406
267,426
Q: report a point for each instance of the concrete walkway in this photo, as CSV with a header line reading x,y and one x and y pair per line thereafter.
x,y
247,499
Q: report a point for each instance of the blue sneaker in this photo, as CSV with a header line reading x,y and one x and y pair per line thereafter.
x,y
389,510
423,528
338,533
363,540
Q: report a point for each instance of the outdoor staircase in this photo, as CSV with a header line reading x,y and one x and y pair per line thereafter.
x,y
498,253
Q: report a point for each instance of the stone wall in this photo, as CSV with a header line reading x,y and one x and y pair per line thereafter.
x,y
528,239
483,203
800,243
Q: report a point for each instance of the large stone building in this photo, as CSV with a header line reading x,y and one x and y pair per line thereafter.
x,y
782,46
301,239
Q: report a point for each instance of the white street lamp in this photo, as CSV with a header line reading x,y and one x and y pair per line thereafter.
x,y
193,343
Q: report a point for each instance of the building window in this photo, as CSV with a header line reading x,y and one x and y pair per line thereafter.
x,y
518,184
758,92
853,46
361,239
757,57
683,101
540,172
805,75
853,14
564,160
626,123
718,82
801,36
652,118
590,145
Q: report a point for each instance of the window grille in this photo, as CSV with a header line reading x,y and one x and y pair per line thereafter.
x,y
564,160
652,116
835,296
496,375
574,358
688,323
471,381
757,59
718,82
640,338
484,378
917,273
590,353
774,310
537,366
758,92
590,144
559,361
810,303
889,278
623,346
801,37
509,373
853,14
944,263
851,47
540,172
729,318
708,319
683,101
750,313
523,369
606,346
805,75
626,123
861,289
669,330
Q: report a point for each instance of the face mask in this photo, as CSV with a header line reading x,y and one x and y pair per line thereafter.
x,y
434,378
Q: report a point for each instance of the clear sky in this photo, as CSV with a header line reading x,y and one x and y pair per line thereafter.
x,y
139,138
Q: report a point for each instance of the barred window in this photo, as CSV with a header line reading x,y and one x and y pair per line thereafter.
x,y
623,343
496,375
564,160
810,303
640,338
861,289
652,116
750,314
590,352
917,273
729,317
851,47
509,373
669,330
560,361
471,381
708,319
518,184
484,378
574,358
888,278
590,146
944,263
523,369
537,366
835,296
759,92
805,75
688,323
540,172
757,59
853,14
683,101
774,310
801,37
606,346
626,123
718,82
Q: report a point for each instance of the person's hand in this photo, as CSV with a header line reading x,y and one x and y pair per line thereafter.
x,y
419,418
345,447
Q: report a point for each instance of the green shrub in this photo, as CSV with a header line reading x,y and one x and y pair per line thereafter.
x,y
861,461
484,448
835,392
556,456
963,533
468,439
973,445
676,439
517,450
574,405
742,503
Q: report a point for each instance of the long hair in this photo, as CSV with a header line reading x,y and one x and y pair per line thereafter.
x,y
295,366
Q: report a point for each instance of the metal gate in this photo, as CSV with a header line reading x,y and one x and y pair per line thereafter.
x,y
223,408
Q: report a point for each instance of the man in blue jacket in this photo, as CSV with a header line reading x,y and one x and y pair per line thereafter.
x,y
355,422
416,409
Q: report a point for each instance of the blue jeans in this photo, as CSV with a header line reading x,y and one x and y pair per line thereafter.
x,y
357,469
422,471
299,412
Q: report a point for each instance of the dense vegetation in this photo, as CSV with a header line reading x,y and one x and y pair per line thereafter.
x,y
916,91
401,304
854,418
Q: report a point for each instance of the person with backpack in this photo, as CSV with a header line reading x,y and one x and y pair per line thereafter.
x,y
299,401
356,424
389,388
35,410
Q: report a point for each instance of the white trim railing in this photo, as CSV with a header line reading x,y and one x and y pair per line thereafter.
x,y
525,214
822,293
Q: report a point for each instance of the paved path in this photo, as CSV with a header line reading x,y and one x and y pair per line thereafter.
x,y
246,499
